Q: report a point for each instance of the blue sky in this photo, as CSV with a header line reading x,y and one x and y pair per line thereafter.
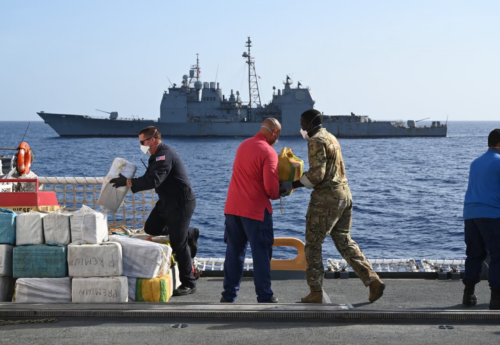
x,y
388,59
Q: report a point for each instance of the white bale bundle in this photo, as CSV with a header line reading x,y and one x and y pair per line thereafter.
x,y
4,288
5,260
42,290
29,228
100,290
89,226
143,259
111,198
95,260
56,227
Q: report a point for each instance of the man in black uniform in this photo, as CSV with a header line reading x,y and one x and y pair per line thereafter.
x,y
167,174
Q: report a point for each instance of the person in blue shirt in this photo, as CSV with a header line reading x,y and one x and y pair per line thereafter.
x,y
482,222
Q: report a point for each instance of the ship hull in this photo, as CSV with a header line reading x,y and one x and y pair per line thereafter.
x,y
84,126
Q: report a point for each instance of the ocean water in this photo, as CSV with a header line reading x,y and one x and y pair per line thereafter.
x,y
408,192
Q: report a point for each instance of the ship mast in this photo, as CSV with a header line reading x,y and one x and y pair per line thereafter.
x,y
195,68
253,85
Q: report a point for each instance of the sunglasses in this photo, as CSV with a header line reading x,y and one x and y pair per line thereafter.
x,y
151,137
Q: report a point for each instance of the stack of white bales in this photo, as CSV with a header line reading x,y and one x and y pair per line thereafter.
x,y
95,264
39,258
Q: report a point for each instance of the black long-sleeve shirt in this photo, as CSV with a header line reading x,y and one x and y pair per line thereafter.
x,y
167,174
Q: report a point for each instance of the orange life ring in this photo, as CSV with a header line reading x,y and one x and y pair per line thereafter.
x,y
24,158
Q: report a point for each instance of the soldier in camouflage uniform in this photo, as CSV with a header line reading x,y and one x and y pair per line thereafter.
x,y
330,209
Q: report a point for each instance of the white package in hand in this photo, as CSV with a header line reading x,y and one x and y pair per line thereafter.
x,y
95,260
56,228
143,259
89,226
100,290
42,290
111,198
29,228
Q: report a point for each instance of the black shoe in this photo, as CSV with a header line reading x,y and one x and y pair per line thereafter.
x,y
183,291
223,300
193,242
272,300
495,299
469,298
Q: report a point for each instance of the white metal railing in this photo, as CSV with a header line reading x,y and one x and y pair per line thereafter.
x,y
217,264
433,265
72,192
379,265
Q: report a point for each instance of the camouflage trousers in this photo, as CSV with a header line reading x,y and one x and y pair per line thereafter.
x,y
335,222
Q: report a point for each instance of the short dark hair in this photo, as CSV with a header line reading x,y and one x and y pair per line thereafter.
x,y
150,131
494,138
312,115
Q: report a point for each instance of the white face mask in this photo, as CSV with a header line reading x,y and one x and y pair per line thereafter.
x,y
145,149
304,134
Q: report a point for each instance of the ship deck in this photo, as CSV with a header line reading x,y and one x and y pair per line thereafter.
x,y
412,311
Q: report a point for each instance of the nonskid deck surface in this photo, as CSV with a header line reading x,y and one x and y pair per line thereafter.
x,y
410,299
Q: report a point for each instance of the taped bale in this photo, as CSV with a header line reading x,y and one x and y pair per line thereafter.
x,y
40,261
57,228
7,226
95,260
143,259
29,228
111,198
290,167
100,290
6,260
158,289
89,226
42,290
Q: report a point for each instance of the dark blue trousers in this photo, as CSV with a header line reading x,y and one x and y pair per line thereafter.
x,y
482,236
239,231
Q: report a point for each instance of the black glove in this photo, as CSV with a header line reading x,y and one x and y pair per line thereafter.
x,y
119,181
285,188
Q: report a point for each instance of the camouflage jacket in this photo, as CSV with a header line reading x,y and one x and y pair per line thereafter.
x,y
326,165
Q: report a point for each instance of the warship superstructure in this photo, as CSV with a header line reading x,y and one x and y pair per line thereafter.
x,y
196,108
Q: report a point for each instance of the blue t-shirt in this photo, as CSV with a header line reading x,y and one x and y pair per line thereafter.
x,y
482,199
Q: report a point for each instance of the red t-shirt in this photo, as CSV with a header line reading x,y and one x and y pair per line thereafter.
x,y
255,179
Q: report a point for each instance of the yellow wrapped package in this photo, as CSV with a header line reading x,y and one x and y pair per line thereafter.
x,y
290,167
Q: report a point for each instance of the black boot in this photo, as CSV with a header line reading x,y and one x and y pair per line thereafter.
x,y
469,298
495,299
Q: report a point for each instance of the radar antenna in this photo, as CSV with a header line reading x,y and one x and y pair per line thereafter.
x,y
195,68
253,85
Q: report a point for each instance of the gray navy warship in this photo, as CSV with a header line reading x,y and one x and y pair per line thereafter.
x,y
197,108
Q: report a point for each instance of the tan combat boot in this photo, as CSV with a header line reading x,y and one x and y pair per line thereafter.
x,y
376,290
313,297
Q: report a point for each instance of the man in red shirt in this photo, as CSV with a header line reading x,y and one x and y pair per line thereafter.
x,y
249,212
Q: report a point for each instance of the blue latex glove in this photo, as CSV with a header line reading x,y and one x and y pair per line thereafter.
x,y
286,188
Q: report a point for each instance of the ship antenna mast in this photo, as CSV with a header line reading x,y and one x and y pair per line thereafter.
x,y
196,68
253,85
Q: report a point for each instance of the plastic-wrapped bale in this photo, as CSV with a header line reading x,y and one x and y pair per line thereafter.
x,y
174,273
150,290
4,288
7,226
95,260
42,290
29,228
89,226
56,228
290,167
111,198
143,259
5,260
100,290
40,261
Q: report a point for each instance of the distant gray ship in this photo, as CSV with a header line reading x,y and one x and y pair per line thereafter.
x,y
197,108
